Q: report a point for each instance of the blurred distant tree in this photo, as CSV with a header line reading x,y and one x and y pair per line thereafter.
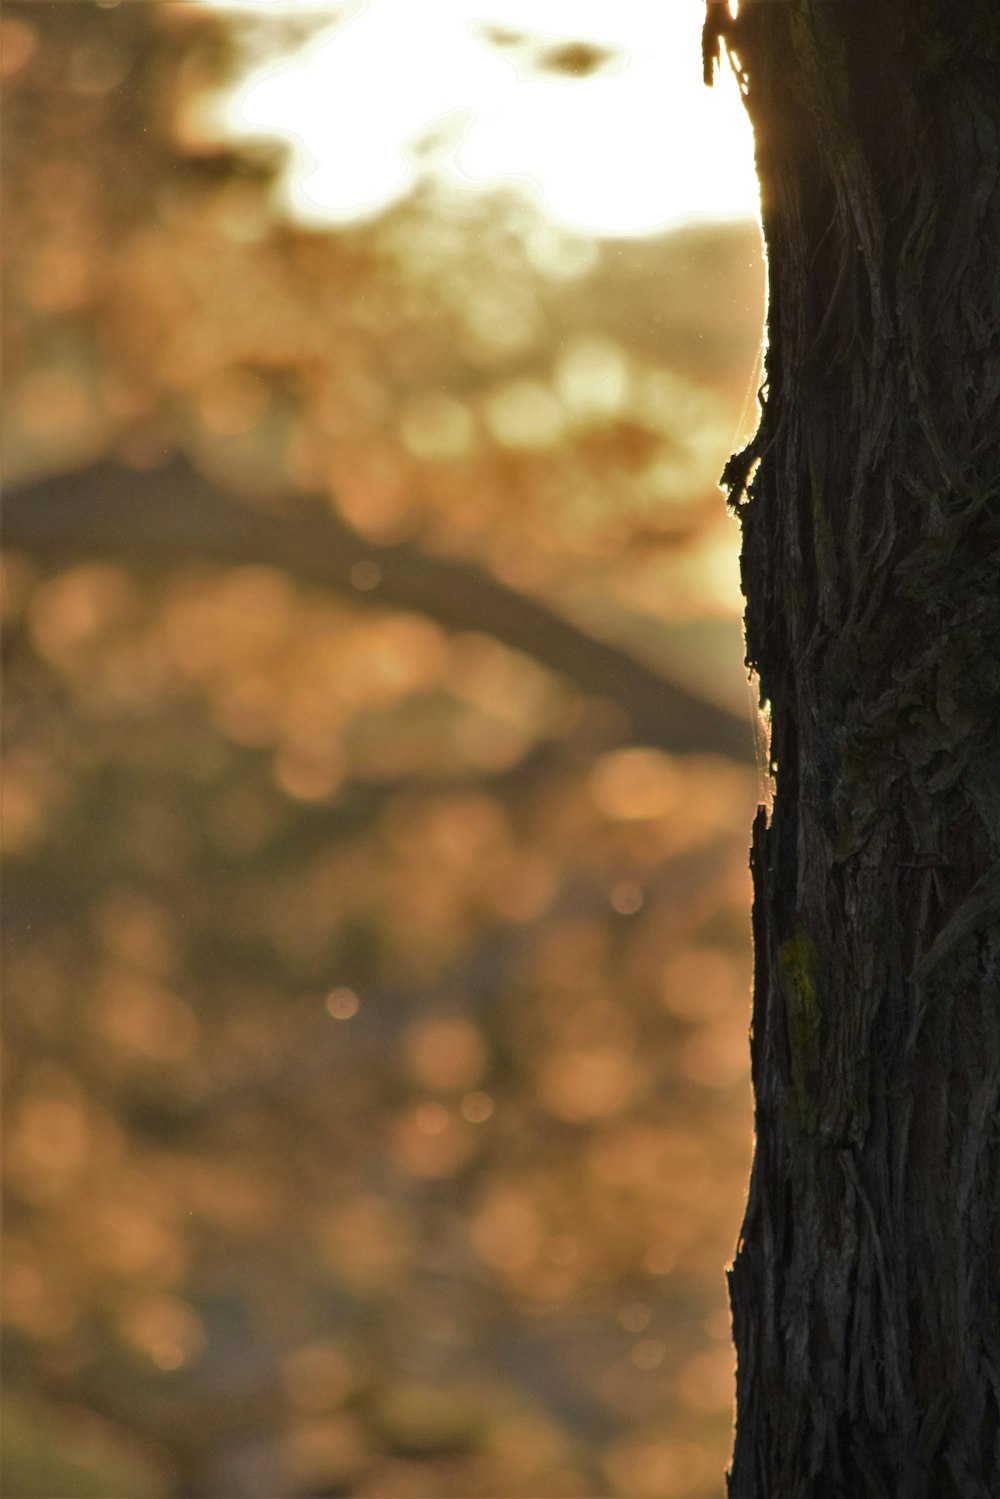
x,y
374,964
389,439
864,1293
173,514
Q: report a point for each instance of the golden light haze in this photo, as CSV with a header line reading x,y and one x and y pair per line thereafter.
x,y
470,91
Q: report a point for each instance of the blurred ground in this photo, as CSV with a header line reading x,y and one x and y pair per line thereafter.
x,y
376,993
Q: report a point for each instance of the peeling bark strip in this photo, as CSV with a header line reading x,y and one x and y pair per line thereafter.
x,y
866,1288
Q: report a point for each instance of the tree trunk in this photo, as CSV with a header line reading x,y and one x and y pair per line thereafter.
x,y
866,1287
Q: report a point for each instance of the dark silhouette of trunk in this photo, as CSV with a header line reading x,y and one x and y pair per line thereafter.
x,y
866,1287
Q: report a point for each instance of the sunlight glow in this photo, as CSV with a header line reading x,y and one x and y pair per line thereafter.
x,y
394,93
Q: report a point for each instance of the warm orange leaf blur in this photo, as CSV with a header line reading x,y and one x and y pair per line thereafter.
x,y
376,1001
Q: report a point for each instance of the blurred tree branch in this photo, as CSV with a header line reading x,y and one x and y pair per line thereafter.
x,y
175,514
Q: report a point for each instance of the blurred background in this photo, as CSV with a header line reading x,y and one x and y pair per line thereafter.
x,y
378,761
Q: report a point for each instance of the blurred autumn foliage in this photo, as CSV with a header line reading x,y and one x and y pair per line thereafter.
x,y
376,994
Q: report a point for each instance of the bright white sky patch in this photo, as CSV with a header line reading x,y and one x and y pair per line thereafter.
x,y
396,90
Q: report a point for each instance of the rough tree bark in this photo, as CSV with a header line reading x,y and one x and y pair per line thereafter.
x,y
866,1287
